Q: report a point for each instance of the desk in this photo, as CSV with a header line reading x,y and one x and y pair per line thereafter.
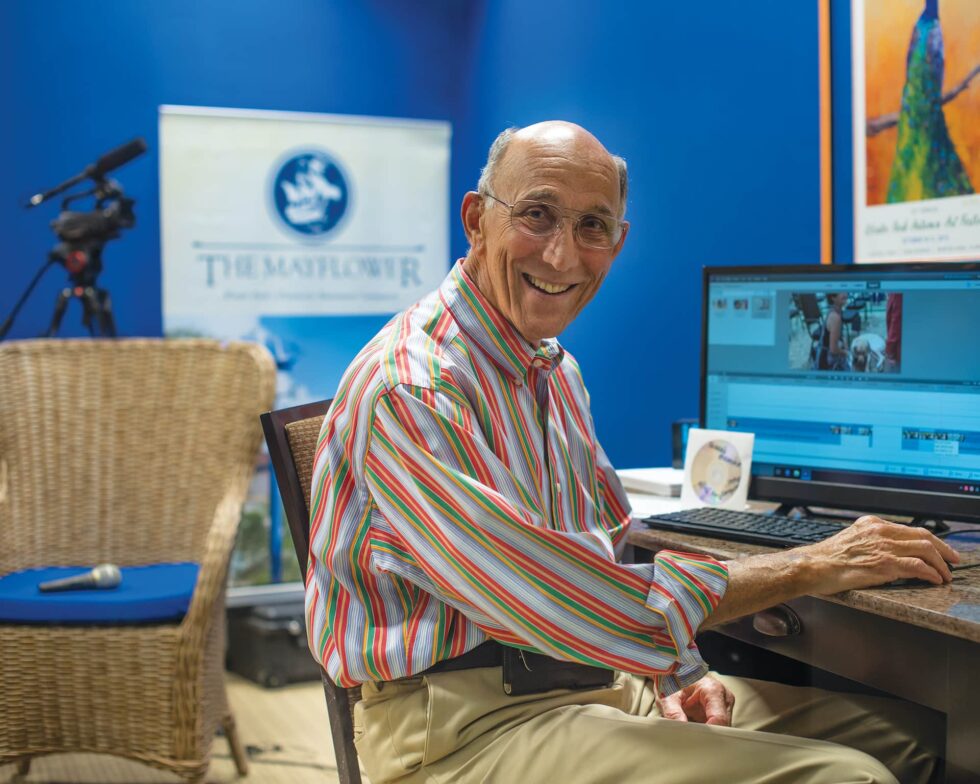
x,y
920,644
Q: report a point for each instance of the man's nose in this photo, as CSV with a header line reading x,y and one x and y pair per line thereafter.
x,y
562,249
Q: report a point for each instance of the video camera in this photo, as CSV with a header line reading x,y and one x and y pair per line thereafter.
x,y
82,237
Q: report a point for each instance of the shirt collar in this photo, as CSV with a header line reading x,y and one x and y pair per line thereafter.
x,y
493,333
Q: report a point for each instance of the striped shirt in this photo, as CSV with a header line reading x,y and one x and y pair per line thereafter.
x,y
459,493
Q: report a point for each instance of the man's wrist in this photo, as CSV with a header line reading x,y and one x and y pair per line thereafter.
x,y
761,581
804,571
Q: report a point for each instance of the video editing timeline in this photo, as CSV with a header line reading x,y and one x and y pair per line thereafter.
x,y
872,377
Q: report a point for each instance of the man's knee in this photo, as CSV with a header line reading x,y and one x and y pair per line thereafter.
x,y
851,765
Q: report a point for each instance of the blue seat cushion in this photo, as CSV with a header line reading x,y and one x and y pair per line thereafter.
x,y
158,592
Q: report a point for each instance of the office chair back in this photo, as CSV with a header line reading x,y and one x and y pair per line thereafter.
x,y
291,434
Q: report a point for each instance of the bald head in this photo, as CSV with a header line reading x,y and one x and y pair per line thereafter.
x,y
540,229
558,132
557,137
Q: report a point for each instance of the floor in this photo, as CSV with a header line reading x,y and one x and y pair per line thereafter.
x,y
285,731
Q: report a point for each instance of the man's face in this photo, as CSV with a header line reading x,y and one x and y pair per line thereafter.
x,y
540,284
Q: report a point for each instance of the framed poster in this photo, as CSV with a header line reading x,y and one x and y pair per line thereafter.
x,y
916,129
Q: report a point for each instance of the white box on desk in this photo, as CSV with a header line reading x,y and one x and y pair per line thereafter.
x,y
656,481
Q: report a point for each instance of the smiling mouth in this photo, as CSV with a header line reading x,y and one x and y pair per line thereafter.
x,y
545,287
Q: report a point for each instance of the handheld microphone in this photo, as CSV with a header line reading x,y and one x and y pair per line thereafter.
x,y
102,576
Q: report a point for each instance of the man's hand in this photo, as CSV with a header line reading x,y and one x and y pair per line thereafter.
x,y
873,551
869,552
706,702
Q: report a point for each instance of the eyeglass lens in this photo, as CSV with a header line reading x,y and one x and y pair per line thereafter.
x,y
541,219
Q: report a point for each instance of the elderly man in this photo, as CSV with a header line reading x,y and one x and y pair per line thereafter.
x,y
467,527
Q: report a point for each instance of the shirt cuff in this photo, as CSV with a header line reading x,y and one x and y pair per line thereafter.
x,y
690,668
686,589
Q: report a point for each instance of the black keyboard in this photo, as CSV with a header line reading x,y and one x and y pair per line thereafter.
x,y
752,527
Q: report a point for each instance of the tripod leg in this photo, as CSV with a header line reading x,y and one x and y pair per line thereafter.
x,y
59,311
88,311
106,320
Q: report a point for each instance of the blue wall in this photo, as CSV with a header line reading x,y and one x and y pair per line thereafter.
x,y
714,104
715,107
82,77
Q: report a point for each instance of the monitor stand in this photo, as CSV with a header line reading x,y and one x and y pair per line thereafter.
x,y
800,510
932,524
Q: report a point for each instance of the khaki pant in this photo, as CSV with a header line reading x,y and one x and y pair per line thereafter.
x,y
460,727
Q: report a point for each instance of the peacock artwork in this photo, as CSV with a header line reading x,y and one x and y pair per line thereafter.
x,y
925,144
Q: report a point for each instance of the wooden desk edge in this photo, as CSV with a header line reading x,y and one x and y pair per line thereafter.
x,y
908,605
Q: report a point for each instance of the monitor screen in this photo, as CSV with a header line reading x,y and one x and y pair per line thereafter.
x,y
860,382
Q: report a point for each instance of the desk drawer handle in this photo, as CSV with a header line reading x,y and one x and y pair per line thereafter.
x,y
778,621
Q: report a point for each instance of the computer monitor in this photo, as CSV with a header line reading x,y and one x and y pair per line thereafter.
x,y
860,382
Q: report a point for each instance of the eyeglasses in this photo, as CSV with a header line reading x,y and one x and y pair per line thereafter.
x,y
541,219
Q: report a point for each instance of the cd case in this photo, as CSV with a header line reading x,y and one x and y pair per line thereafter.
x,y
655,481
717,468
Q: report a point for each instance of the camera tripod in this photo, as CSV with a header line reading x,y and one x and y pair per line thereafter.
x,y
96,311
83,269
83,236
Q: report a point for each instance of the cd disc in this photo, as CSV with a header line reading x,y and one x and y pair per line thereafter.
x,y
716,472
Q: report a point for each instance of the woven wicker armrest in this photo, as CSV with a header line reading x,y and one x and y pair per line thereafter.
x,y
213,575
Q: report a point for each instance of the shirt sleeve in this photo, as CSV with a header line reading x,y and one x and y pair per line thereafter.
x,y
468,535
615,508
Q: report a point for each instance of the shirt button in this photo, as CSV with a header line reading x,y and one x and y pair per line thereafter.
x,y
558,486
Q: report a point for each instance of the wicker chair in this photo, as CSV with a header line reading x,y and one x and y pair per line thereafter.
x,y
133,452
291,434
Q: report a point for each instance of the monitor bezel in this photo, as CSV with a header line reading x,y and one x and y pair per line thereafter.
x,y
857,497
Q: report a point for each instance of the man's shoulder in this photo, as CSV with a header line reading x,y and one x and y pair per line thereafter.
x,y
569,364
570,372
410,349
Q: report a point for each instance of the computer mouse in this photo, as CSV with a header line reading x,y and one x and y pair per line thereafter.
x,y
919,582
932,526
912,582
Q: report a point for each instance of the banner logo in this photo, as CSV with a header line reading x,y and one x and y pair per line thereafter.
x,y
310,193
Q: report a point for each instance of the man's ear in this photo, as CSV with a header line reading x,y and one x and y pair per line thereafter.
x,y
622,239
471,212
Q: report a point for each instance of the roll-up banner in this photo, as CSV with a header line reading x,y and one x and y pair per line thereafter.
x,y
304,232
